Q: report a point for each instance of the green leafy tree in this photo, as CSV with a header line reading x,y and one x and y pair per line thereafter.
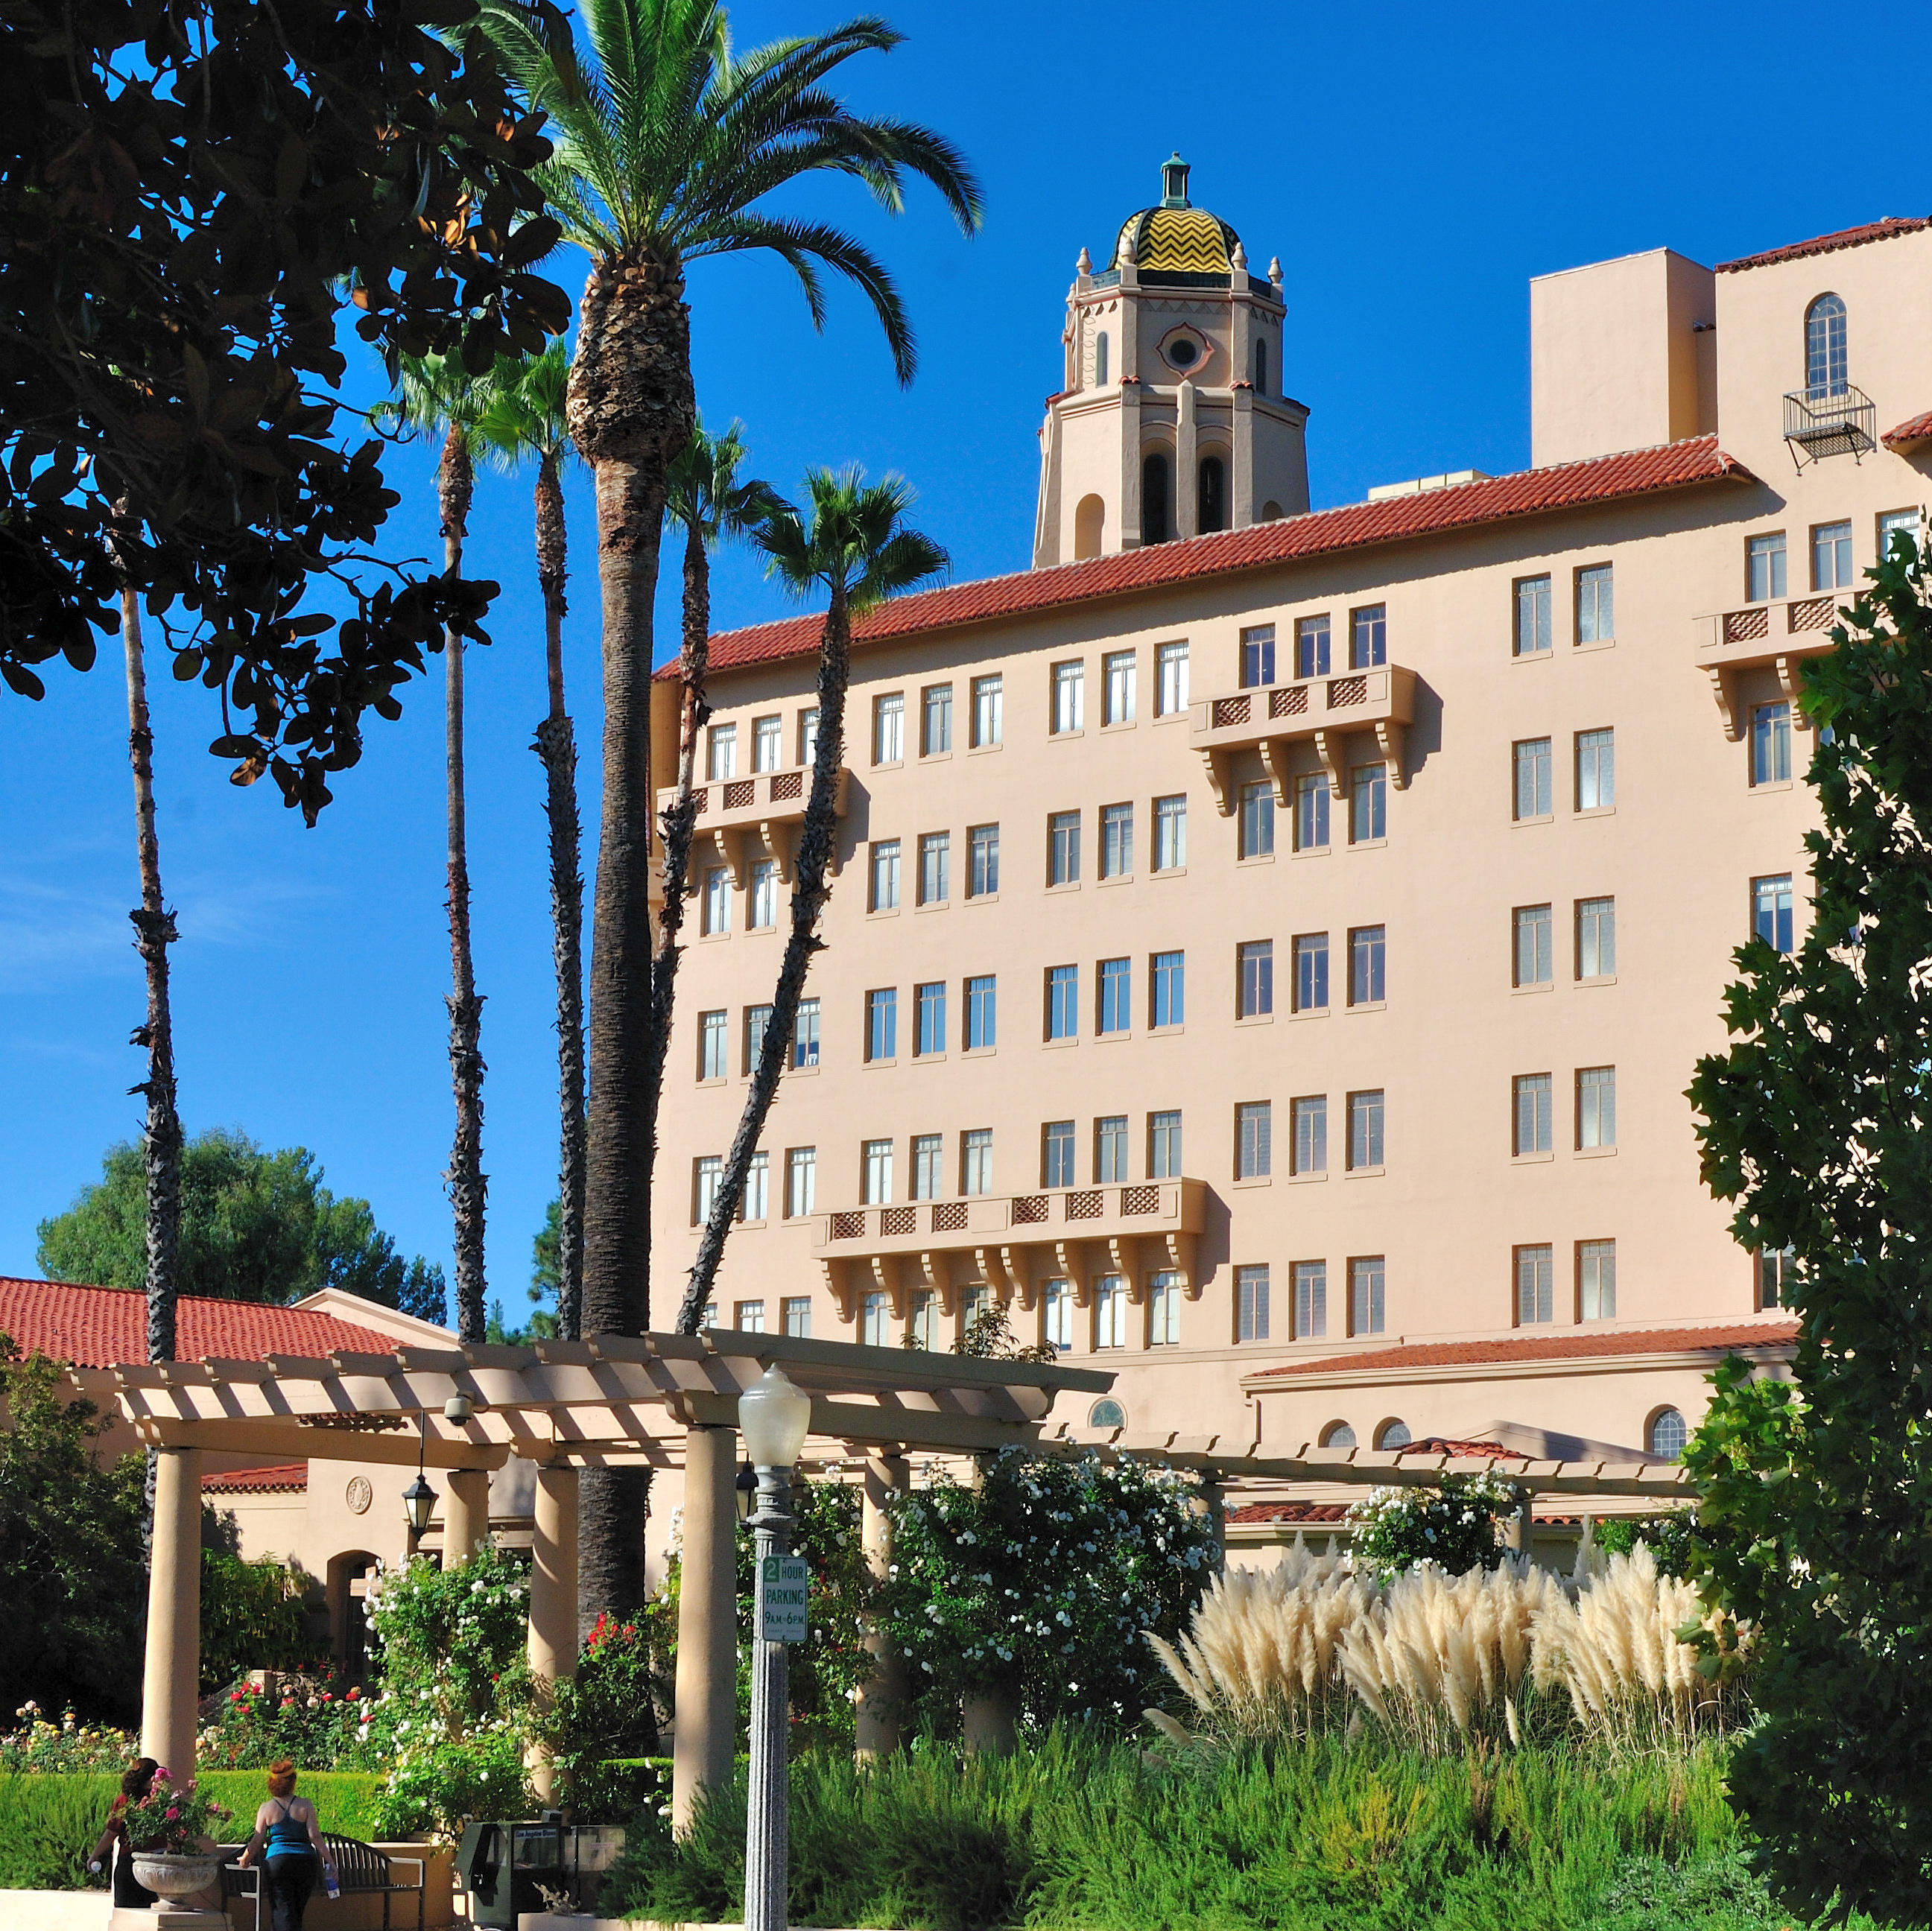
x,y
1815,1522
256,1226
254,1615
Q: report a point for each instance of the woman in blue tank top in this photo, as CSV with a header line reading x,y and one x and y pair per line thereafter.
x,y
289,1843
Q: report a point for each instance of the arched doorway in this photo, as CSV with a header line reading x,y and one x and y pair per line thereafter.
x,y
348,1588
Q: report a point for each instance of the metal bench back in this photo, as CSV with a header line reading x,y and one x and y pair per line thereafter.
x,y
358,1867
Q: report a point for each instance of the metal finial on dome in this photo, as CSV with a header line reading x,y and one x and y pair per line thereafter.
x,y
1174,175
1085,264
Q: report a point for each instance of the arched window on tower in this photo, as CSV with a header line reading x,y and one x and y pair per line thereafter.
x,y
1826,370
1157,524
1213,498
1100,360
1261,369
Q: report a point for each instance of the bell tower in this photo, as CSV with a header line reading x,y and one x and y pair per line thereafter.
x,y
1171,421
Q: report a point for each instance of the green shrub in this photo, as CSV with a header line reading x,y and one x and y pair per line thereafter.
x,y
1452,1528
254,1615
1668,1536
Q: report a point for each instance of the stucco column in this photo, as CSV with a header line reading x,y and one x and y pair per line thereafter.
x,y
551,1644
1211,1499
707,1622
1128,532
1187,465
882,1697
466,1514
171,1670
1516,1526
1241,437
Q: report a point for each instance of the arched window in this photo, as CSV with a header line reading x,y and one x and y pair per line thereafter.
x,y
1825,367
1213,498
1338,1434
1106,1414
1261,369
1156,525
1668,1432
1393,1435
1100,360
1090,528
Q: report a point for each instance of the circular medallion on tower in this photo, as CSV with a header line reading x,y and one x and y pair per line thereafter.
x,y
1176,239
358,1494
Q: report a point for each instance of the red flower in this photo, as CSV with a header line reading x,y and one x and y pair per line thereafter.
x,y
172,1813
354,1691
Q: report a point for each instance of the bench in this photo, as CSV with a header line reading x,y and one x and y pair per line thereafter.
x,y
361,1870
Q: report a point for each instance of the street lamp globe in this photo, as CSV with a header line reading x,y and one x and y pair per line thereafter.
x,y
419,1501
774,1417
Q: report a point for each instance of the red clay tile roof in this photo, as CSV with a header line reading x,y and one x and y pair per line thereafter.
x,y
95,1327
286,1478
1443,1444
1602,479
1918,430
1829,245
1289,1511
1558,1347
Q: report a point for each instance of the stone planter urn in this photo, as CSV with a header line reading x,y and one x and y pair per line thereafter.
x,y
176,1874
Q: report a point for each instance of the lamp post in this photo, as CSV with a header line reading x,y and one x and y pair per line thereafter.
x,y
774,1417
419,1498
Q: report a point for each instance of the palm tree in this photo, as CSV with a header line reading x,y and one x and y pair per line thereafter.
x,y
436,394
859,551
524,417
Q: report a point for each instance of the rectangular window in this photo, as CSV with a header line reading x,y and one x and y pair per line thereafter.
x,y
935,868
1534,1102
1771,744
1596,1107
1365,1131
1311,1299
1535,964
930,999
1535,1286
1596,938
882,1023
976,1161
1832,556
1257,656
1254,979
1897,522
714,1049
923,1327
929,1166
989,705
889,728
1258,820
1056,1325
1116,1011
798,1316
767,743
1164,1310
1368,637
1309,1117
876,1168
885,875
1063,848
757,1018
1368,803
762,913
872,1318
1254,1159
981,1013
1310,950
717,899
1368,953
758,1201
1170,833
1168,1002
707,1173
1164,1145
801,1181
1596,605
1771,911
722,759
1251,1304
805,1035
808,734
1117,702
1311,647
1069,696
1366,1313
1110,1149
1057,1154
1063,1001
983,849
1117,840
1764,568
1110,1311
1596,770
710,1316
1775,1267
1311,812
748,1317
1533,788
1532,616
935,729
1597,1280
1170,679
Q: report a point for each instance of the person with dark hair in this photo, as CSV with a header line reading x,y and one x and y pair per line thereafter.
x,y
136,1782
288,1841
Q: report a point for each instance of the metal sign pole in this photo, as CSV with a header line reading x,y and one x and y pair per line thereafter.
x,y
767,1826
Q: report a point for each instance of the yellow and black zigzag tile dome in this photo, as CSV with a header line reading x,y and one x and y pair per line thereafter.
x,y
1176,240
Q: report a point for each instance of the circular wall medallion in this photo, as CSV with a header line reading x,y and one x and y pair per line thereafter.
x,y
358,1494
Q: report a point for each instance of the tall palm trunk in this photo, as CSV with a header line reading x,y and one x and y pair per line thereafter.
x,y
557,745
467,1186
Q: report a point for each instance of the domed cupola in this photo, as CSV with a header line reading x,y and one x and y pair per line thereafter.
x,y
1176,244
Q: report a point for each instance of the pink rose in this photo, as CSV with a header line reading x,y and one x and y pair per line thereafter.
x,y
172,1813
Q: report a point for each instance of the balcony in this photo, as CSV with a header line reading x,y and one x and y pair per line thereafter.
x,y
1011,1242
744,818
1778,635
1322,710
1835,421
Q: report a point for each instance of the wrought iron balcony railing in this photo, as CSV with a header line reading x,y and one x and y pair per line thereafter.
x,y
1839,420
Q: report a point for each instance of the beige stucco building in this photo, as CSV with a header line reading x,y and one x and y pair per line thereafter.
x,y
1271,960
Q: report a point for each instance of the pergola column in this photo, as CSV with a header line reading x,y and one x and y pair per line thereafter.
x,y
171,1670
882,1697
1212,1499
707,1622
466,1514
551,1644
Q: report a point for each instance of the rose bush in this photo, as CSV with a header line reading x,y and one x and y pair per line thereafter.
x,y
1452,1527
173,1817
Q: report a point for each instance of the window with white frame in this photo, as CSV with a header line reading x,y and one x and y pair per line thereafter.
x,y
1063,848
714,1049
1117,702
1167,989
757,1018
1366,1315
1896,523
1056,1323
1310,953
748,1317
935,868
1069,696
1832,556
1597,1280
1535,1285
1257,820
1368,803
1368,637
1310,1279
885,875
707,1174
988,711
982,853
721,763
1251,1303
1164,1145
929,1166
1596,1107
1596,604
767,743
1771,911
981,1013
1110,1311
1110,1149
1596,938
1170,833
804,1034
1170,679
873,1315
889,728
1775,1268
1116,1012
935,727
756,1203
1534,958
1308,1116
1770,743
1257,656
1596,770
801,1181
1368,960
1311,812
808,734
1254,979
876,1173
1163,1310
761,912
1365,1131
1063,1001
717,900
1827,366
922,1324
1668,1433
1117,840
1254,1158
929,1002
1057,1154
798,1316
1534,1112
1311,646
1533,787
1764,567
1532,616
976,1161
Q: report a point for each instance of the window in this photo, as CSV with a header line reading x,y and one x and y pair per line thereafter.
x,y
721,758
1063,1001
1533,789
808,734
1117,840
763,912
1164,1145
976,1161
713,1050
1257,656
935,730
1057,1319
1764,567
767,743
1596,938
885,875
872,1323
1368,951
974,1304
1170,695
1110,1149
922,1326
981,1013
1532,616
930,999
1253,1156
1110,1311
1366,1313
1070,686
1534,1101
1164,1310
1832,556
1596,605
1057,1155
929,1166
805,1035
1771,911
1170,833
1596,770
1365,1131
1669,1431
882,1023
1254,979
756,1203
1167,972
1311,1299
1211,503
889,728
1597,1106
748,1317
1100,360
1534,965
1261,368
707,1175
717,899
801,1181
798,1316
1393,1435
1897,522
1368,637
1309,1116
1116,1014
1774,1275
1826,365
1338,1434
1597,1280
1156,526
1368,803
1535,1286
876,1168
1117,700
988,711
1311,812
1310,950
710,1315
935,868
1257,832
1251,1304
1063,848
1311,647
1771,744
982,853
757,1019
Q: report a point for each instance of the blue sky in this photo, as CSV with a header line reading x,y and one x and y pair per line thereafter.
x,y
1412,166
